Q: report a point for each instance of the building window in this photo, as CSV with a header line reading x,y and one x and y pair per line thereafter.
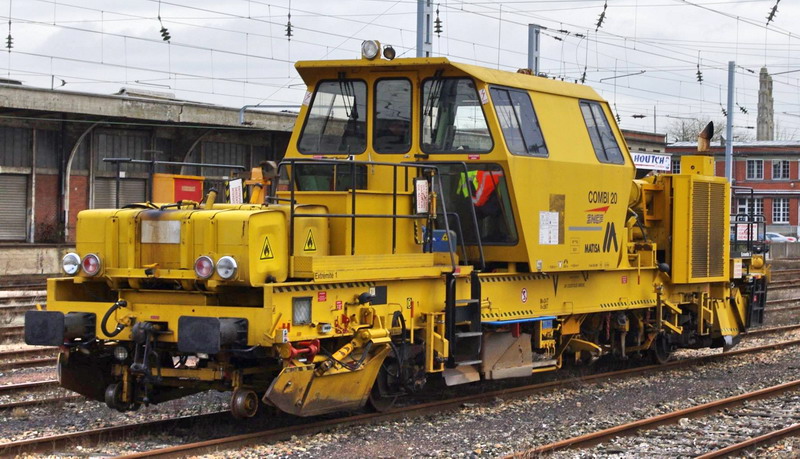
x,y
755,169
780,169
747,206
780,210
676,166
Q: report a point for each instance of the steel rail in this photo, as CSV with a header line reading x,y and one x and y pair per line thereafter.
x,y
783,309
12,332
28,385
29,363
38,402
768,330
426,408
36,352
11,388
631,428
105,434
17,308
761,440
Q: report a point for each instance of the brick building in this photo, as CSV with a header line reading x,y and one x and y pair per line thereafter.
x,y
771,168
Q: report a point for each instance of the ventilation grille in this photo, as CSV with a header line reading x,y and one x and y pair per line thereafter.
x,y
708,224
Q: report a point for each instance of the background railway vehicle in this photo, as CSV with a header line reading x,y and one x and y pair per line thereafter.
x,y
499,234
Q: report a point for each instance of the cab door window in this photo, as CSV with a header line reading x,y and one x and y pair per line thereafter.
x,y
483,189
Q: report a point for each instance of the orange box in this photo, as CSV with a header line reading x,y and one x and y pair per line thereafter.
x,y
174,188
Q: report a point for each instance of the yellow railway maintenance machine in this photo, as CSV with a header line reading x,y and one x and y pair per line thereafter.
x,y
431,219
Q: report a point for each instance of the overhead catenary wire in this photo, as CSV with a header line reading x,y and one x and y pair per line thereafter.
x,y
251,19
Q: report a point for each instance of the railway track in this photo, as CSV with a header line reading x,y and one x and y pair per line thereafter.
x,y
753,421
307,426
13,389
13,333
27,358
24,287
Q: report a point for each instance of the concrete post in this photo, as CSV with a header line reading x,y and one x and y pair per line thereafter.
x,y
424,29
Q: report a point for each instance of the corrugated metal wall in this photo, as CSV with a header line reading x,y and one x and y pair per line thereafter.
x,y
121,144
15,147
130,191
13,207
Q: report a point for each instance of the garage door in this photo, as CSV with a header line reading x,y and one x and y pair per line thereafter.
x,y
105,192
13,207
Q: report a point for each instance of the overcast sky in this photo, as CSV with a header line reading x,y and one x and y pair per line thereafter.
x,y
235,52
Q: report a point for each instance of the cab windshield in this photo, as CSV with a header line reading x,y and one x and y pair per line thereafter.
x,y
337,119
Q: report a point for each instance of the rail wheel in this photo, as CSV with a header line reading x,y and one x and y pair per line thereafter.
x,y
380,397
113,396
660,349
244,403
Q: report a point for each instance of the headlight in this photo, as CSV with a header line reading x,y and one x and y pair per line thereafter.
x,y
226,267
121,353
91,264
71,263
204,267
370,49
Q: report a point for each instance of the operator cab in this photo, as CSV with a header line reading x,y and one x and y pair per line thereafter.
x,y
527,165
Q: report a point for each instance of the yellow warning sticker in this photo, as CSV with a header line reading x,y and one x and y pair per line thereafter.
x,y
310,245
444,237
266,250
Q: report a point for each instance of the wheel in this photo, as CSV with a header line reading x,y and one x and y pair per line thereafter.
x,y
660,349
244,403
113,397
381,398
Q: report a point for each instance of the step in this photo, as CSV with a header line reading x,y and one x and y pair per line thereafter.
x,y
468,362
460,335
545,363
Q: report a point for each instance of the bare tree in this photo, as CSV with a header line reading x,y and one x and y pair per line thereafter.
x,y
686,129
782,133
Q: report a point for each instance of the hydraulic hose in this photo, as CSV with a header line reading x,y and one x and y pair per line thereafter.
x,y
104,322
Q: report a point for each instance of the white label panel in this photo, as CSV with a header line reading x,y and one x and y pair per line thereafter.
x,y
236,192
548,228
161,232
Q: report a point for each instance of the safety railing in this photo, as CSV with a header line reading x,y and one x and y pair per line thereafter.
x,y
429,172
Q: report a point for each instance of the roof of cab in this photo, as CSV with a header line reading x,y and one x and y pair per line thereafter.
x,y
491,76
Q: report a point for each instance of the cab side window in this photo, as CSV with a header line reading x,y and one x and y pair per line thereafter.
x,y
519,122
605,144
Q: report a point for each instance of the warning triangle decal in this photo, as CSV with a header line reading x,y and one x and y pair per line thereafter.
x,y
310,245
266,250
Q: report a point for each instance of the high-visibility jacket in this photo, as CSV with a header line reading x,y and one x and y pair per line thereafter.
x,y
484,183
